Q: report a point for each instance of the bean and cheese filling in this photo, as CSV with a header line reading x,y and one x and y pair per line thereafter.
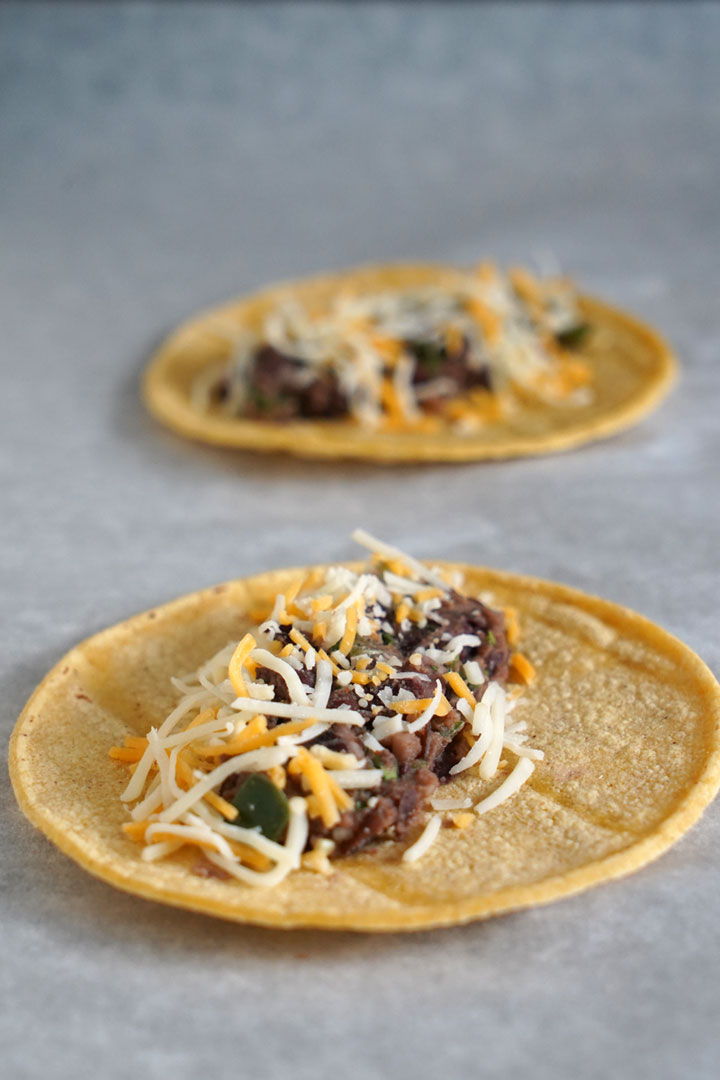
x,y
418,358
334,725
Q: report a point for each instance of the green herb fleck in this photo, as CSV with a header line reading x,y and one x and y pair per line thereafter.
x,y
390,772
429,355
492,640
261,401
574,336
388,639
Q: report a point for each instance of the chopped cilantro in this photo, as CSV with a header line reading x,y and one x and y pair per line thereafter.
x,y
492,640
390,772
388,639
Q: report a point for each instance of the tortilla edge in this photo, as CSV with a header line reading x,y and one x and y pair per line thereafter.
x,y
172,410
512,898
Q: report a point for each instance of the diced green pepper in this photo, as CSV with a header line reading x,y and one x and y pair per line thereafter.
x,y
574,335
429,355
261,805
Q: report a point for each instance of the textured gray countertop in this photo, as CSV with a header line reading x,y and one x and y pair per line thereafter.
x,y
154,159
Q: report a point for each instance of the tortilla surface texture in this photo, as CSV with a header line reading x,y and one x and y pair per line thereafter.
x,y
632,369
628,717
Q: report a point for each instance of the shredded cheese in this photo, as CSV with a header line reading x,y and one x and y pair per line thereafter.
x,y
425,841
228,721
509,787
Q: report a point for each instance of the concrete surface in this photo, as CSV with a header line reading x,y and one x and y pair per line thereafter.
x,y
157,158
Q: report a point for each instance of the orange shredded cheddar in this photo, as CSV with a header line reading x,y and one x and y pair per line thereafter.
x,y
247,740
348,638
186,780
488,321
205,715
228,811
237,661
317,779
130,754
444,707
300,640
458,684
391,401
139,741
318,862
427,594
462,821
521,667
486,271
453,339
322,655
512,626
342,800
293,591
389,348
278,776
254,859
525,285
136,830
402,611
417,705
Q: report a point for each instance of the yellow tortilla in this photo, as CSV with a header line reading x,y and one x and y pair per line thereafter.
x,y
632,369
628,717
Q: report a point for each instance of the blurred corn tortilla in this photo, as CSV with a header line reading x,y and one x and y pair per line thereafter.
x,y
628,718
632,370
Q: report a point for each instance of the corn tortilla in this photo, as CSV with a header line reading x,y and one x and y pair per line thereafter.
x,y
628,717
632,371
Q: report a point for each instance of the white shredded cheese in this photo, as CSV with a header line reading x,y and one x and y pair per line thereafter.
x,y
296,690
358,778
424,841
427,714
298,712
450,804
509,787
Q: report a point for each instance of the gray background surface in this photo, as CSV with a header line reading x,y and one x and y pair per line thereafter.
x,y
154,159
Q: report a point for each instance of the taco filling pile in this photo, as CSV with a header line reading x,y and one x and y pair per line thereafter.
x,y
409,357
334,725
